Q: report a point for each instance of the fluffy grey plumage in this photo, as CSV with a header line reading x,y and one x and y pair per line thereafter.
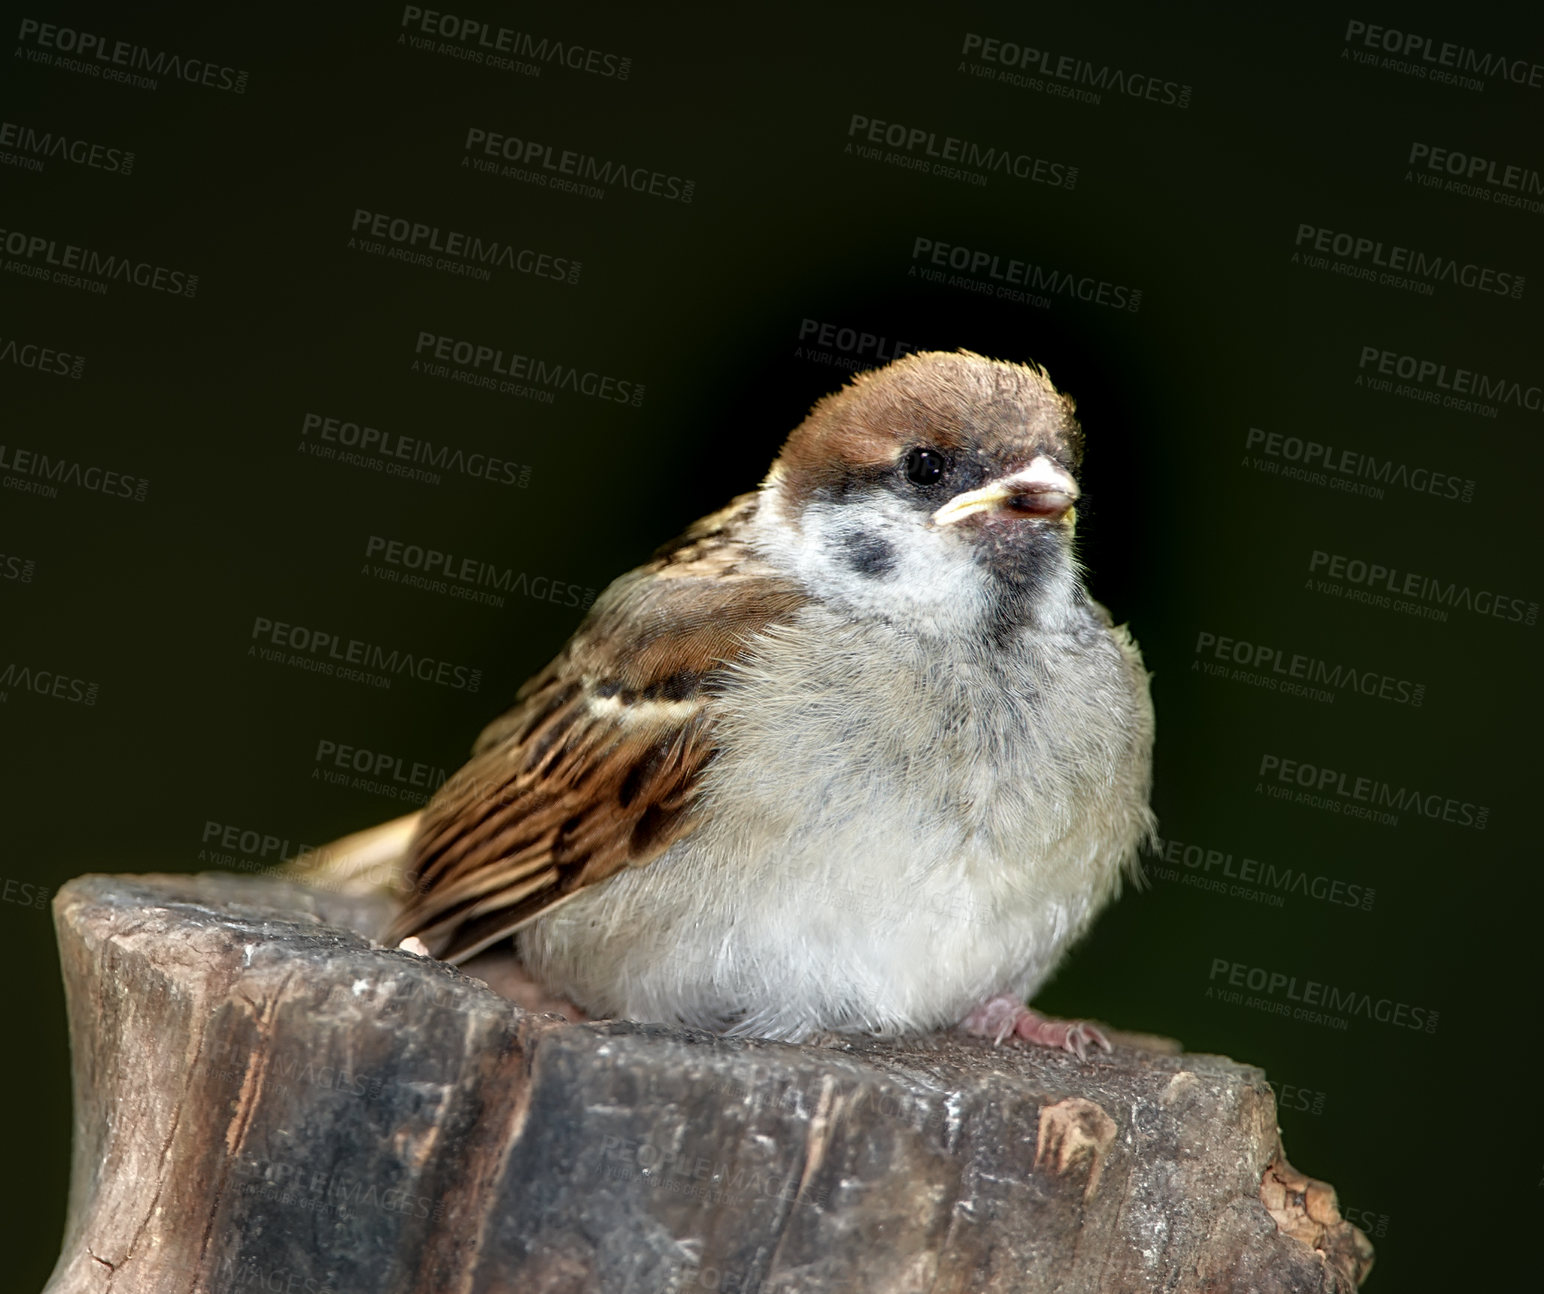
x,y
857,753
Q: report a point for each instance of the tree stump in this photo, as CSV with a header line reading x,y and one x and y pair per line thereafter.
x,y
266,1099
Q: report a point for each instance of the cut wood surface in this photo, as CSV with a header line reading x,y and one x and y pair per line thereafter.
x,y
266,1099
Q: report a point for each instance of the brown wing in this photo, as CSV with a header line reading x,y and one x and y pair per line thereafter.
x,y
597,764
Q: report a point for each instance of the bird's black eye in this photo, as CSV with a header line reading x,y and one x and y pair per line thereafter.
x,y
924,466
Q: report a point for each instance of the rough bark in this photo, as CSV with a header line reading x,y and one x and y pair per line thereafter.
x,y
266,1099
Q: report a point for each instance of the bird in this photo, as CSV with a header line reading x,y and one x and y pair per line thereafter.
x,y
856,754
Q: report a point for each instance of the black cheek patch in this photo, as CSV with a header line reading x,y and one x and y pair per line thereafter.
x,y
868,555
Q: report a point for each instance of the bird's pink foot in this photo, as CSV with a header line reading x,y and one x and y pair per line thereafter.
x,y
1003,1018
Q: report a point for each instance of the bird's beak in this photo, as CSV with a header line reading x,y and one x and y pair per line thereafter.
x,y
1042,490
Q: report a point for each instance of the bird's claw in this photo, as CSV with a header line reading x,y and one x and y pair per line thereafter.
x,y
1080,1035
1003,1018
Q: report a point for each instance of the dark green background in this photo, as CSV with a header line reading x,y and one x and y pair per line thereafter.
x,y
1431,1140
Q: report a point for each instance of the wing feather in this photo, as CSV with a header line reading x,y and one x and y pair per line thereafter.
x,y
598,764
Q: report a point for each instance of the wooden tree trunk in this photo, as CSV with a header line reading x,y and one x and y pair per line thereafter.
x,y
265,1099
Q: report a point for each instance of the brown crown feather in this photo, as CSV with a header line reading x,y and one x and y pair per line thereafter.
x,y
946,400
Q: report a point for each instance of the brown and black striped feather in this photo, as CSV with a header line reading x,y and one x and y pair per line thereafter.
x,y
598,763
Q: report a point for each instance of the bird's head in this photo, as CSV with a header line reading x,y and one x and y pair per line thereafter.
x,y
936,491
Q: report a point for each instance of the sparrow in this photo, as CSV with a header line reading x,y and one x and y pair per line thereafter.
x,y
856,754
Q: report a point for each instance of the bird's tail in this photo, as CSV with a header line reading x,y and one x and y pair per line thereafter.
x,y
373,861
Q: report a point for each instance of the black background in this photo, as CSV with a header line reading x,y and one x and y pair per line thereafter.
x,y
1433,1144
